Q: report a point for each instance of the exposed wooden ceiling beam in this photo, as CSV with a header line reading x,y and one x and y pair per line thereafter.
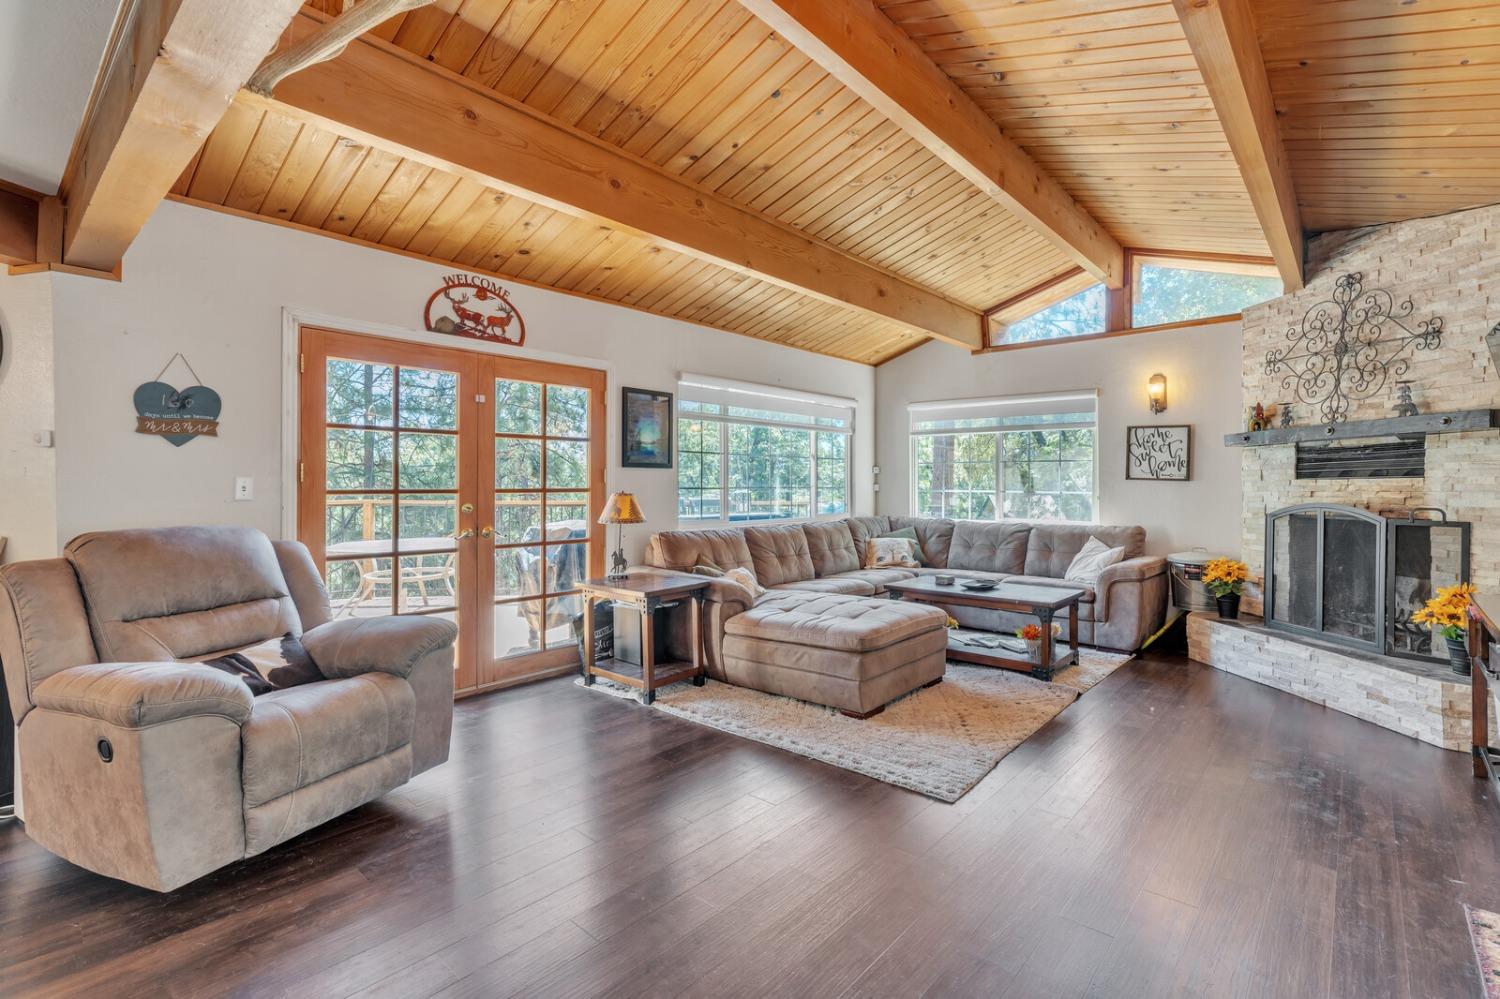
x,y
18,225
1222,36
333,39
169,72
855,42
377,93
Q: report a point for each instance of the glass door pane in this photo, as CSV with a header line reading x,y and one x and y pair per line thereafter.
x,y
547,478
392,481
387,479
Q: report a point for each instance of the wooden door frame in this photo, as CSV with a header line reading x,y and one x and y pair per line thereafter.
x,y
295,322
294,319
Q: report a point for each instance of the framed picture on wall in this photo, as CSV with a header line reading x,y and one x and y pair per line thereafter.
x,y
1161,453
645,428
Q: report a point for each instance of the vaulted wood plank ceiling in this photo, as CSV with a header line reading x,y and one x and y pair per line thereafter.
x,y
1105,95
1389,109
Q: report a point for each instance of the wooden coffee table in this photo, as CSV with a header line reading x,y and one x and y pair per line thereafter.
x,y
1041,602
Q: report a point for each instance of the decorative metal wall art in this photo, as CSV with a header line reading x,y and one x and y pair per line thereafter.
x,y
176,416
475,307
1347,348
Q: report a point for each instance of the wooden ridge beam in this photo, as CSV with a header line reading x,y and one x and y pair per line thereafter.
x,y
169,72
857,44
380,94
1222,36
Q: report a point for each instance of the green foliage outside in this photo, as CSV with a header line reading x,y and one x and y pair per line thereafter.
x,y
1028,475
769,468
1177,294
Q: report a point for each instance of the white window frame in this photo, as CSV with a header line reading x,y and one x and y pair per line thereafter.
x,y
697,388
1000,403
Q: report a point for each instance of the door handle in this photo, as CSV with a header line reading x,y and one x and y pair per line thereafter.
x,y
464,535
487,532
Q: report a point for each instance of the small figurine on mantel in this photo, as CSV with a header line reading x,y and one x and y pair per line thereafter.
x,y
1404,405
1286,414
1257,419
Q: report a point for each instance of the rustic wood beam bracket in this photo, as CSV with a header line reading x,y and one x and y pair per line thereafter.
x,y
327,44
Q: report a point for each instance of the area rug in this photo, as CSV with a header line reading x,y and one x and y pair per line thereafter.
x,y
1484,931
939,741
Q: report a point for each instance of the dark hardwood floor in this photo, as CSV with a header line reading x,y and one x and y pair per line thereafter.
x,y
1177,831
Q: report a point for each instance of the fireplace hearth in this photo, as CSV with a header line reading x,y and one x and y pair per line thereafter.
x,y
1355,577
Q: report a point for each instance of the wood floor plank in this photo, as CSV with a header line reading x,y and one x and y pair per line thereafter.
x,y
1177,831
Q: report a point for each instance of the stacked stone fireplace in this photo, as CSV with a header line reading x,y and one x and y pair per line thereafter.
x,y
1336,625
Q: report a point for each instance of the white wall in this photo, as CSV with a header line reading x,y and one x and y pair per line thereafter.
x,y
28,489
214,287
1202,365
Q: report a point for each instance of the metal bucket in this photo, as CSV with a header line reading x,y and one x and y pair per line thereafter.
x,y
1186,570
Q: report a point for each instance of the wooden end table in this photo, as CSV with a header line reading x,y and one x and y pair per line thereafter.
x,y
645,591
1484,631
1040,602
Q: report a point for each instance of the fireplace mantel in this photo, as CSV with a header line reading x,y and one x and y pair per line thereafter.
x,y
1393,426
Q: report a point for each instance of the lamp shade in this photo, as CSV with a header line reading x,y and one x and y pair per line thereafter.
x,y
621,508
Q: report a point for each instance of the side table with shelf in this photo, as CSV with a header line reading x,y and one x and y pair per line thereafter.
x,y
645,592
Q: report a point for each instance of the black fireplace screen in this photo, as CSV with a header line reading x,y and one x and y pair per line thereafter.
x,y
1350,576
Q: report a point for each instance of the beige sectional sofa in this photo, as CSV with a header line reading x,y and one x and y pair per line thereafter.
x,y
825,631
139,763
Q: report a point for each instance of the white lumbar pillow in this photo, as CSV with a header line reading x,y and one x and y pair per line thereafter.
x,y
745,578
1092,559
887,553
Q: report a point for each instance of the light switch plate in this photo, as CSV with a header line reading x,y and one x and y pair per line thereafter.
x,y
41,438
244,488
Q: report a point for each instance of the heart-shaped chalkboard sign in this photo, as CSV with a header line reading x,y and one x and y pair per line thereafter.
x,y
177,416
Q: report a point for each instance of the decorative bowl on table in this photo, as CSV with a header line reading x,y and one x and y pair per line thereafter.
x,y
978,584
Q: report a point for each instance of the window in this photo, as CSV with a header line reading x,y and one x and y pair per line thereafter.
x,y
1079,314
1021,457
753,453
1169,290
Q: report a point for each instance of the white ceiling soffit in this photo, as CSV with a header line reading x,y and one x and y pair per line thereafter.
x,y
49,56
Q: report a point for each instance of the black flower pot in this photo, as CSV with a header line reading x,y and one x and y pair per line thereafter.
x,y
1458,654
1229,607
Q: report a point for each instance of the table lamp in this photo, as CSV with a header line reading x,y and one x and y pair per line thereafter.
x,y
620,508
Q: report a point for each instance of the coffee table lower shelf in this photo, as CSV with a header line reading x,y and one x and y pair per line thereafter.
x,y
631,674
1063,656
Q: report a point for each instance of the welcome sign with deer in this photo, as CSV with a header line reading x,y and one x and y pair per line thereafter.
x,y
475,307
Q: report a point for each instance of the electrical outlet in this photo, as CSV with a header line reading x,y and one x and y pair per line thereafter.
x,y
877,469
244,488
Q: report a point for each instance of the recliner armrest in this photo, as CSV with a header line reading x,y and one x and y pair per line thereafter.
x,y
1130,570
138,695
356,645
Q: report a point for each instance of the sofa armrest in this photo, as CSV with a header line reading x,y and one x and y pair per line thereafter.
x,y
356,645
138,695
1130,570
720,591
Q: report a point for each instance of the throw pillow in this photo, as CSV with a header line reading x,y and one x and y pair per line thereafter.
x,y
1092,559
910,534
704,567
272,665
746,579
889,553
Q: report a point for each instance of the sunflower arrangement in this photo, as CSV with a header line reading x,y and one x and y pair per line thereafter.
x,y
1448,612
1225,576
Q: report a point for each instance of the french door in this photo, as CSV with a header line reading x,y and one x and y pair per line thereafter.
x,y
435,480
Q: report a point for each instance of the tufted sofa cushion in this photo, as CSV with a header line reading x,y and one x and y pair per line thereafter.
x,y
681,550
780,554
832,548
835,621
989,547
935,536
862,529
1051,547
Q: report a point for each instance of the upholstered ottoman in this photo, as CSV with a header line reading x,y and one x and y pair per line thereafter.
x,y
852,653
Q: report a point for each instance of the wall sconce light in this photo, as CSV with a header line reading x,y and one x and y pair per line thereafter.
x,y
1156,393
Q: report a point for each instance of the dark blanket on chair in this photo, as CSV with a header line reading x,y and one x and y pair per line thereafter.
x,y
272,665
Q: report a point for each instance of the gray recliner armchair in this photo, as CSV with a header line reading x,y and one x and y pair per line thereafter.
x,y
139,763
